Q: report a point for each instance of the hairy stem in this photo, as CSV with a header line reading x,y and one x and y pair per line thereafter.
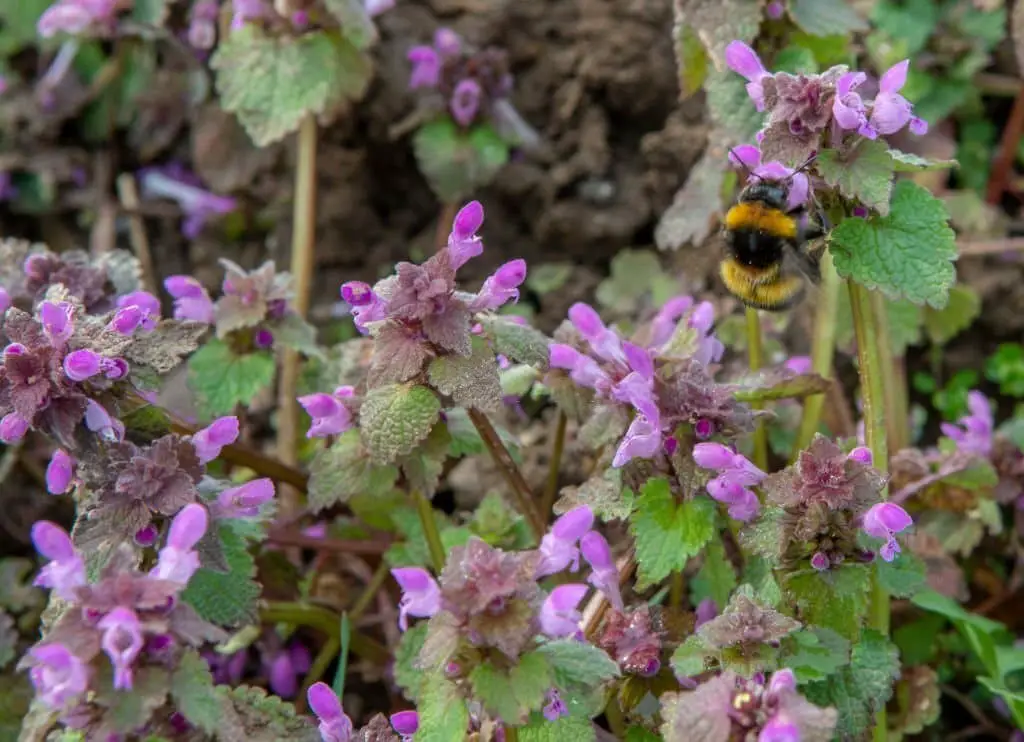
x,y
823,347
514,477
303,243
429,523
866,325
554,467
755,353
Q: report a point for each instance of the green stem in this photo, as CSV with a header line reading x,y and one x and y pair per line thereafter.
x,y
511,734
891,392
429,523
823,347
326,621
554,467
317,669
867,324
510,471
677,589
369,592
756,354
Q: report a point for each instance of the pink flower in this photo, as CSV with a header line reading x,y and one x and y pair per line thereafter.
x,y
122,641
707,609
284,668
555,707
335,726
209,441
366,305
744,61
558,614
146,304
75,16
749,157
798,364
603,341
736,475
13,428
83,364
862,454
59,473
665,321
426,67
99,421
66,570
465,101
642,439
245,500
178,561
58,676
198,205
974,434
891,111
421,595
56,321
605,575
848,109
558,547
463,242
884,521
405,723
191,302
329,413
501,287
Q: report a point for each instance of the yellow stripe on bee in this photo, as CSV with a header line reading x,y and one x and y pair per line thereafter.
x,y
775,293
754,215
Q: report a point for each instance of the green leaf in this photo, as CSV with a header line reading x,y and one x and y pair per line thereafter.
x,y
1006,367
1014,700
639,734
412,552
860,689
908,253
902,577
345,470
292,331
547,278
918,641
519,343
466,441
407,675
512,695
837,599
942,325
716,577
691,59
442,712
908,162
826,17
150,12
563,729
666,533
356,22
764,386
223,380
396,417
127,710
730,106
866,176
577,668
981,633
691,658
253,715
604,493
423,467
193,694
912,21
226,599
273,82
457,163
815,653
471,381
633,273
797,60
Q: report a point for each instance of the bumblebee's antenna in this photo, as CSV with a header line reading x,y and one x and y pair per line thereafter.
x,y
735,160
806,164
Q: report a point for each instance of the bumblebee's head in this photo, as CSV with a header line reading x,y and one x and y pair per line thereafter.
x,y
773,193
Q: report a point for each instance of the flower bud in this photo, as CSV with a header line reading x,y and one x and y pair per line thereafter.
x,y
59,473
80,365
13,428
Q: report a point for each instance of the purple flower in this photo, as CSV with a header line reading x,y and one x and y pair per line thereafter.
x,y
191,302
59,473
501,287
779,730
558,547
891,111
558,614
335,726
603,341
13,428
178,561
58,676
283,669
820,561
744,60
147,303
426,67
122,641
848,109
66,570
83,364
76,16
447,43
56,321
798,364
330,414
421,595
212,439
749,156
555,707
376,7
642,439
862,454
198,204
366,305
884,521
664,323
974,434
463,242
98,420
775,10
465,101
405,723
707,609
735,475
605,575
245,500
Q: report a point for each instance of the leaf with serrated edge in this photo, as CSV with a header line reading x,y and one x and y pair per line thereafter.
x,y
942,325
667,533
836,600
443,716
908,253
576,666
690,217
456,163
226,599
395,418
192,691
222,380
345,470
273,82
519,343
568,728
471,381
716,577
511,695
866,174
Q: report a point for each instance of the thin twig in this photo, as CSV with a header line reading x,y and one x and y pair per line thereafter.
x,y
554,466
976,248
1007,153
369,592
430,531
128,193
520,488
303,259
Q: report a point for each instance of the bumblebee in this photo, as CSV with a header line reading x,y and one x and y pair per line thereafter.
x,y
767,263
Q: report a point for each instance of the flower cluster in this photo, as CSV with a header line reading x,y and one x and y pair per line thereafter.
x,y
335,726
802,110
663,383
136,619
736,474
417,314
730,707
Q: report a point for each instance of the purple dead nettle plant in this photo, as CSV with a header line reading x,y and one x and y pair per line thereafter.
x,y
197,204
